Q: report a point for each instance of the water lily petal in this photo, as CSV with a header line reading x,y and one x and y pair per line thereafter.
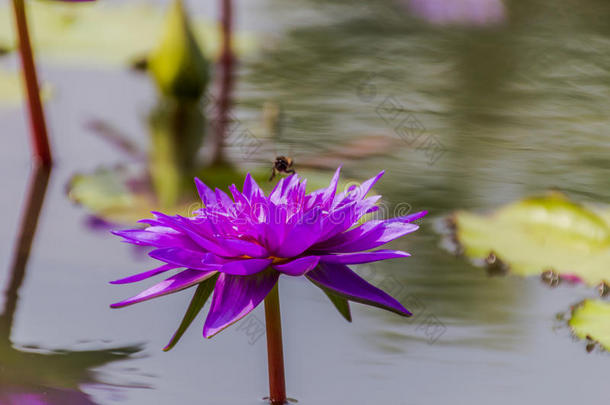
x,y
238,197
343,281
205,193
245,267
276,194
223,199
186,258
367,232
158,236
291,185
330,192
367,185
251,188
303,234
145,275
244,247
378,236
299,266
234,297
195,229
357,192
363,257
173,284
274,231
344,217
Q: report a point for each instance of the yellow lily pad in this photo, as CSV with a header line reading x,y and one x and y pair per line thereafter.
x,y
540,235
591,320
105,35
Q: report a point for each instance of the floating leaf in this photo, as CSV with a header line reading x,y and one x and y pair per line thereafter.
x,y
104,35
115,195
547,235
591,320
200,297
177,64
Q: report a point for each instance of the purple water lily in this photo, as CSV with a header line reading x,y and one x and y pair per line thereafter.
x,y
243,245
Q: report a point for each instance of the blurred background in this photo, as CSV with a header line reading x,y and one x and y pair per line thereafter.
x,y
468,105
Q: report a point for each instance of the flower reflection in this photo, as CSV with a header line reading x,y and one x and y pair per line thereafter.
x,y
460,12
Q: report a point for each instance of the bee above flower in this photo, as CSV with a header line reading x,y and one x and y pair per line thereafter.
x,y
238,247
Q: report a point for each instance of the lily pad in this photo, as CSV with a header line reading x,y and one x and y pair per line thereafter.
x,y
591,320
548,235
104,35
113,194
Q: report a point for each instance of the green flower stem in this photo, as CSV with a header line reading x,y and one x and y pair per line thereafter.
x,y
273,320
38,128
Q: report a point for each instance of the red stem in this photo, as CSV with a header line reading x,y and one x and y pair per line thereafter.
x,y
273,320
227,61
38,129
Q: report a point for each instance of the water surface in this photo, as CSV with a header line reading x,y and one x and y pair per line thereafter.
x,y
518,109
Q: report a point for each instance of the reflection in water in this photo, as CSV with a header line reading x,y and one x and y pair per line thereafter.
x,y
177,129
28,378
163,181
466,12
177,126
227,63
521,107
492,96
29,220
467,86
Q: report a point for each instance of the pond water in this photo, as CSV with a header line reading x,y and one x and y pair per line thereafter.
x,y
515,109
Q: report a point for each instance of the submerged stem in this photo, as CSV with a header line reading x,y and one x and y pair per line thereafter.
x,y
273,320
38,128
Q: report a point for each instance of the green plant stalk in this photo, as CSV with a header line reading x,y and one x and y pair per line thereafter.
x,y
38,129
273,321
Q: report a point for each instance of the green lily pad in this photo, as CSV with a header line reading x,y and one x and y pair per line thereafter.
x,y
540,235
115,195
104,35
591,320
